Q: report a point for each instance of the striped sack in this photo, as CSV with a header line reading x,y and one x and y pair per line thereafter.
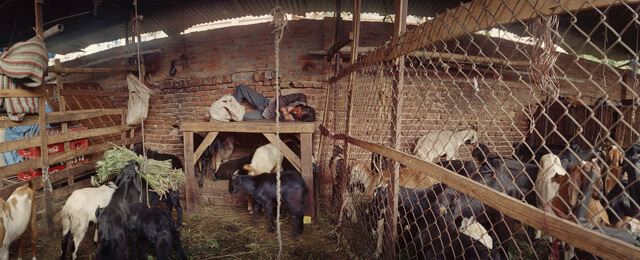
x,y
22,65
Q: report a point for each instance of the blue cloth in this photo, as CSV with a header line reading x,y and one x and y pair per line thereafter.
x,y
17,133
254,98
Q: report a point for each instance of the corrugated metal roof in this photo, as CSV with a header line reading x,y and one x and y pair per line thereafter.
x,y
170,16
173,16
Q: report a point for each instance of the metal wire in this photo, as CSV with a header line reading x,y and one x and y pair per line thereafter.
x,y
472,86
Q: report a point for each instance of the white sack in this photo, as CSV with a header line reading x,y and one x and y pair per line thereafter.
x,y
226,109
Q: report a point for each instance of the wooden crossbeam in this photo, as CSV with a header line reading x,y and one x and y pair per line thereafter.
x,y
23,92
205,143
57,117
261,126
59,138
54,69
93,93
284,149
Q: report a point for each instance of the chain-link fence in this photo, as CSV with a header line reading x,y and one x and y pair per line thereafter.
x,y
537,146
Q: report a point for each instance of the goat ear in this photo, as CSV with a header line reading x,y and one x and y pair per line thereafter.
x,y
574,192
137,182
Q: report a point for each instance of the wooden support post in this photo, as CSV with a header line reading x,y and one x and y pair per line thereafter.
x,y
42,122
306,147
62,106
400,27
342,180
188,171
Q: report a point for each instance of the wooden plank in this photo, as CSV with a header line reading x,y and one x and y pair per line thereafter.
x,y
23,92
189,171
57,117
335,48
19,144
260,126
205,143
290,155
16,168
68,155
66,191
77,171
93,93
572,233
469,18
347,50
306,147
59,138
90,70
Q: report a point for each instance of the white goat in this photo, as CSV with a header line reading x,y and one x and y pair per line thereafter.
x,y
444,143
265,159
80,210
546,189
16,214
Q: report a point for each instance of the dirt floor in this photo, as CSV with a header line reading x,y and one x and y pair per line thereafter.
x,y
222,232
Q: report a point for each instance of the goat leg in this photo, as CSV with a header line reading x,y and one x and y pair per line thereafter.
x,y
203,168
213,175
268,208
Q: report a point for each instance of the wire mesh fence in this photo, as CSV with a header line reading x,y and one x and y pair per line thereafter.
x,y
524,114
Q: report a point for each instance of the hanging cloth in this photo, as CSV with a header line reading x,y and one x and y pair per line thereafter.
x,y
22,66
138,103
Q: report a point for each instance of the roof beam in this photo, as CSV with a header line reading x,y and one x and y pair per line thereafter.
x,y
469,18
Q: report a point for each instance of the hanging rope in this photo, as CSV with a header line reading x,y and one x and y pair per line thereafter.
x,y
544,57
137,29
279,23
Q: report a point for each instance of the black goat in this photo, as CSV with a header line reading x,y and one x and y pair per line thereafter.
x,y
262,188
112,231
624,202
205,158
173,198
570,155
227,168
632,150
417,220
156,227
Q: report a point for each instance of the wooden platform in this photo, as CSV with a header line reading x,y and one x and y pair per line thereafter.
x,y
268,129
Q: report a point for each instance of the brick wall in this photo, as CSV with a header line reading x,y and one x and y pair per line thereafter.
x,y
220,59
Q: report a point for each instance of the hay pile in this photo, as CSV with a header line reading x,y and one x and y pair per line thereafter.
x,y
158,174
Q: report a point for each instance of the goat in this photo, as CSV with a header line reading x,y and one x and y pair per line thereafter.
x,y
570,155
445,143
424,214
614,156
173,198
16,214
265,159
632,150
262,188
155,226
623,202
205,158
223,151
559,191
79,211
227,168
113,232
